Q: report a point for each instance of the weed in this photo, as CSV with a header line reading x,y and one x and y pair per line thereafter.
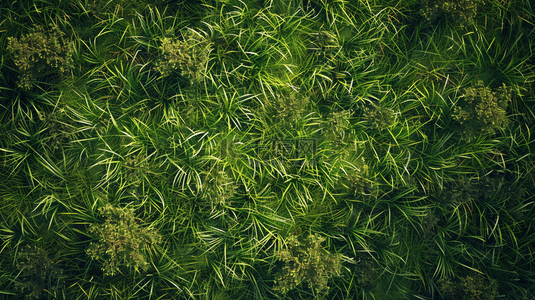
x,y
39,53
305,260
38,272
121,241
475,287
379,117
462,12
482,111
190,56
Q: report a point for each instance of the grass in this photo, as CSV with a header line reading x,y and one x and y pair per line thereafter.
x,y
325,130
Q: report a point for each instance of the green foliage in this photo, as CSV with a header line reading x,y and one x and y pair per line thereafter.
x,y
102,8
305,260
470,287
286,108
40,52
462,12
341,118
218,189
368,273
482,111
59,132
189,55
379,117
338,125
37,272
121,241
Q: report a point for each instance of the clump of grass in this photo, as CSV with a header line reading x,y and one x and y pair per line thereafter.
x,y
305,260
37,272
189,56
39,53
482,110
333,116
121,241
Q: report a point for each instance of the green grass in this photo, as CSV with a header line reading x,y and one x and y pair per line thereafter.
x,y
328,120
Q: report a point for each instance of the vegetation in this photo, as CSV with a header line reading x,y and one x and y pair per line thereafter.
x,y
40,52
483,111
306,261
121,241
190,56
371,149
37,272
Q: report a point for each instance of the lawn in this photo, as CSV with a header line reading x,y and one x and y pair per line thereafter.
x,y
267,149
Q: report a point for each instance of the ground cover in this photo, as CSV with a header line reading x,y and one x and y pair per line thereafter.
x,y
370,149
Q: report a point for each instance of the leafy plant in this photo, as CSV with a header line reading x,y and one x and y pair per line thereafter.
x,y
121,240
147,106
218,189
190,56
40,52
305,260
470,287
37,272
482,111
287,108
462,12
379,117
58,130
338,125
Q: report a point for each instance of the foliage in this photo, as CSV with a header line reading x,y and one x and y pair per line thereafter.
x,y
461,11
286,108
40,52
305,260
219,189
368,273
58,130
121,241
338,125
37,272
482,110
473,287
189,55
347,120
127,8
379,117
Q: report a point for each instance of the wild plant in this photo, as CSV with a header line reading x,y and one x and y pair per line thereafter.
x,y
305,260
379,117
121,241
338,125
40,52
470,287
286,108
462,12
482,110
37,272
189,56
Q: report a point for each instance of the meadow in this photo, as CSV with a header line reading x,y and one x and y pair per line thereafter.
x,y
267,149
